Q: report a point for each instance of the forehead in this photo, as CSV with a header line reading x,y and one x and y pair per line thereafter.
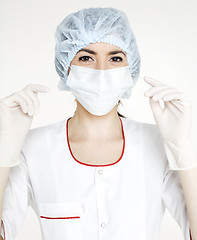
x,y
103,46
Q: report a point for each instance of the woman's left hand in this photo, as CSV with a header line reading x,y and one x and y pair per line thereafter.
x,y
174,120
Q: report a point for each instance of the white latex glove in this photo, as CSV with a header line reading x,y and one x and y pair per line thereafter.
x,y
174,123
15,122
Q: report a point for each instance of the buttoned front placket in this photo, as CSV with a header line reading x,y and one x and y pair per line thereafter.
x,y
101,208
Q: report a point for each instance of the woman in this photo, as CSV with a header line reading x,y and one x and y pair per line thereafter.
x,y
96,174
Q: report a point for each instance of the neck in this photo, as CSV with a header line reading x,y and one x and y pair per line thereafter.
x,y
85,126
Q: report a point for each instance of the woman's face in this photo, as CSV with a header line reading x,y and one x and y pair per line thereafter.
x,y
100,56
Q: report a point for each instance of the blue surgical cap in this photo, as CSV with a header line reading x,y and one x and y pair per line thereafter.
x,y
91,25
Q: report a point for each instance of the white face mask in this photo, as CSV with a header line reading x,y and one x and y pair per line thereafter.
x,y
98,91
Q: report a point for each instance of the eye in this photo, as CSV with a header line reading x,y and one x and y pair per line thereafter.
x,y
84,57
119,59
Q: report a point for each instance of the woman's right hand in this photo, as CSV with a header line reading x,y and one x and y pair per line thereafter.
x,y
16,114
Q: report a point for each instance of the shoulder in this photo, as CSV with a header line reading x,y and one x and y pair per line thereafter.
x,y
40,135
148,140
149,131
146,135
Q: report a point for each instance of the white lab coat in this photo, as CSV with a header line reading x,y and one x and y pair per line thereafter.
x,y
73,201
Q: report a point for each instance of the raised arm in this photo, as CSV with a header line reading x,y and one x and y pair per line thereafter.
x,y
14,126
4,173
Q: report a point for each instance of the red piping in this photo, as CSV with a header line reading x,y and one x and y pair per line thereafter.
x,y
3,228
91,164
59,217
190,234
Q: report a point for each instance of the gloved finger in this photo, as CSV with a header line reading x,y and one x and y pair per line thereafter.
x,y
180,96
15,100
152,90
34,97
156,107
153,82
30,104
157,89
38,88
174,108
159,95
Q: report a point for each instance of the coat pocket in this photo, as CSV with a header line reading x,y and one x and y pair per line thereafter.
x,y
61,220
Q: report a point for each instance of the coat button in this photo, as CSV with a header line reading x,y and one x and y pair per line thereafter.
x,y
100,171
103,225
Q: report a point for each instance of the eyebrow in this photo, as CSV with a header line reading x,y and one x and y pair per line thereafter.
x,y
93,52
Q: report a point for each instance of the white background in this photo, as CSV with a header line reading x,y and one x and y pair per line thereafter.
x,y
166,34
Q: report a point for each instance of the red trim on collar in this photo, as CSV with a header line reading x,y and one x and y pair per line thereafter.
x,y
3,228
190,234
91,164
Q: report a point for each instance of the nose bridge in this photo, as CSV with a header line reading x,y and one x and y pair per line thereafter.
x,y
101,62
101,66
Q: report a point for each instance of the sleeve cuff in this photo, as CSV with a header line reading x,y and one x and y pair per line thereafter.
x,y
3,229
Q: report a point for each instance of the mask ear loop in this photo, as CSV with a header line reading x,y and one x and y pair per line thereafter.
x,y
69,68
